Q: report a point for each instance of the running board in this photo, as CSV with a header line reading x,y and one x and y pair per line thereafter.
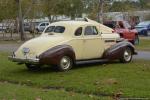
x,y
91,61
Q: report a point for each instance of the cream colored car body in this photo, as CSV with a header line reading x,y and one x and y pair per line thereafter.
x,y
85,47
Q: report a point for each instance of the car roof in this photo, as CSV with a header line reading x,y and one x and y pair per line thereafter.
x,y
74,23
145,22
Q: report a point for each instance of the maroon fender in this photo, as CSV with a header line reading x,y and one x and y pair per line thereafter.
x,y
117,50
53,55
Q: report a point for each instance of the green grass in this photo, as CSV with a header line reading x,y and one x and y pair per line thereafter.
x,y
132,79
144,45
18,92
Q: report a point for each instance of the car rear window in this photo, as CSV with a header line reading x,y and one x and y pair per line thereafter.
x,y
55,29
50,29
59,29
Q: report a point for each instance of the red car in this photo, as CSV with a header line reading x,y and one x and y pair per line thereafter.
x,y
124,30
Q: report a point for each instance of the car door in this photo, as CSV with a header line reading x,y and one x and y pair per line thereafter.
x,y
93,46
129,33
77,43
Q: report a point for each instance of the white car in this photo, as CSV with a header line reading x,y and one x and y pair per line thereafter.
x,y
66,42
41,26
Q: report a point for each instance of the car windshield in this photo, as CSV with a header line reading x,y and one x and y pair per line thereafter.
x,y
55,29
144,24
110,24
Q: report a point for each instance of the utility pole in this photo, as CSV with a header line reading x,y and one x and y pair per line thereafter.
x,y
21,20
101,8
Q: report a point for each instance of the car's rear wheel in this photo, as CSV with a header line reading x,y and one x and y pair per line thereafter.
x,y
32,66
126,56
65,63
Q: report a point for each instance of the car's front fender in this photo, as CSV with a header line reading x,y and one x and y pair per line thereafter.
x,y
117,50
53,55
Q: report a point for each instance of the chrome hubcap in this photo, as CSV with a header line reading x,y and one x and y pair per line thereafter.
x,y
127,55
65,62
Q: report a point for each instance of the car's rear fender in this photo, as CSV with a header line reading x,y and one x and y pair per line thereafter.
x,y
53,55
117,50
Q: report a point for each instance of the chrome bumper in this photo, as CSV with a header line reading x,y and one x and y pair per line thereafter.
x,y
23,60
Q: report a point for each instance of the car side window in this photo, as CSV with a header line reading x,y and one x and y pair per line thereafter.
x,y
90,30
95,30
43,24
47,24
78,32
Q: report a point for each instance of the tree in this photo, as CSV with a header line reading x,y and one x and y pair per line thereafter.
x,y
71,8
101,9
144,4
8,9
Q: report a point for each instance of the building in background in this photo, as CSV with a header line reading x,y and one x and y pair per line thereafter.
x,y
133,17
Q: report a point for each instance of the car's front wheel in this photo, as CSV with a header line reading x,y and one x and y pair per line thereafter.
x,y
126,56
32,66
65,63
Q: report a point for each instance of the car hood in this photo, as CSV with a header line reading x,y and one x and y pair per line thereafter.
x,y
39,45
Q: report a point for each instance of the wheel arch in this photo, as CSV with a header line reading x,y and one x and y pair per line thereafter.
x,y
53,55
116,51
132,48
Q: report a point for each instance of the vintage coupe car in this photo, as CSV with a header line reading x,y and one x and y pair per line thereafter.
x,y
65,43
124,29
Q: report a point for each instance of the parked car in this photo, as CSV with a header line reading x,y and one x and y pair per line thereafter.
x,y
1,27
65,43
41,26
27,26
124,29
8,26
143,28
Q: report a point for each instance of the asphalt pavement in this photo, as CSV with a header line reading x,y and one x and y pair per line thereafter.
x,y
145,55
